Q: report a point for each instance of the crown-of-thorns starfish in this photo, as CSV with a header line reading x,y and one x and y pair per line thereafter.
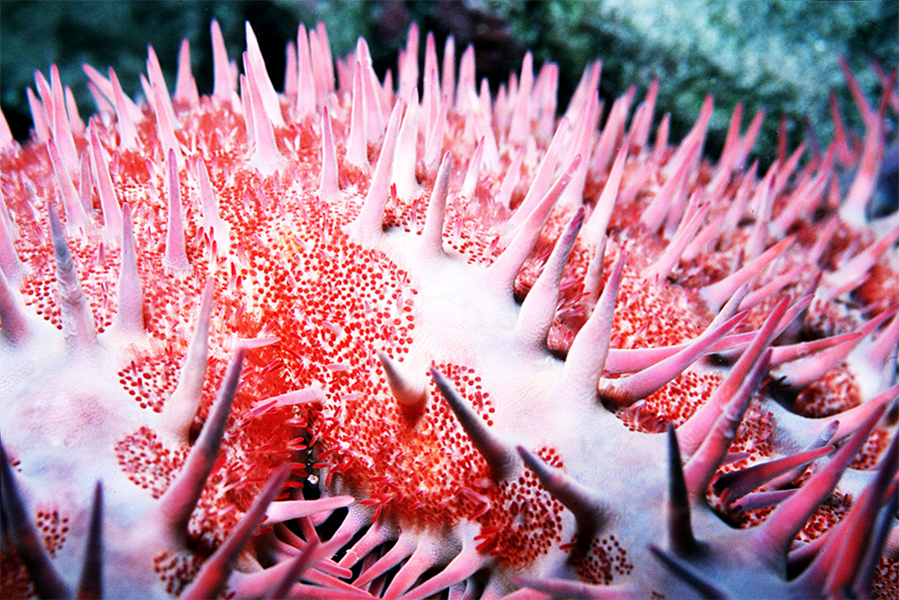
x,y
351,341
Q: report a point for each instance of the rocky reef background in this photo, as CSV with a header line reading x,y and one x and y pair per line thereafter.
x,y
776,55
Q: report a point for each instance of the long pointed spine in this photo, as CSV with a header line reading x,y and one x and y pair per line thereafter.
x,y
741,482
109,203
813,368
213,575
185,86
39,117
377,534
594,274
62,130
267,158
580,500
505,269
717,293
181,407
75,311
175,259
432,234
680,529
775,534
470,182
671,257
90,586
162,103
369,223
701,466
864,578
356,148
694,430
129,317
498,456
883,349
178,502
611,132
705,588
298,566
75,215
322,63
221,231
165,120
627,390
834,568
306,93
403,168
599,218
850,420
539,306
543,177
270,104
47,582
411,396
856,201
223,86
127,130
329,187
590,348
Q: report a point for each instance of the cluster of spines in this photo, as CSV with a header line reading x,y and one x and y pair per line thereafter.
x,y
178,570
736,392
672,210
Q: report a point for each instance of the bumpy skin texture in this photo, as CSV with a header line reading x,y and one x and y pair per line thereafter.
x,y
425,343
